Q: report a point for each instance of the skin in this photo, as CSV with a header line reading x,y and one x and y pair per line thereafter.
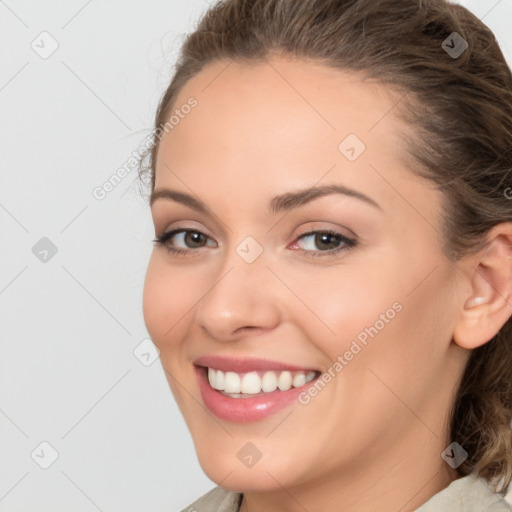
x,y
372,438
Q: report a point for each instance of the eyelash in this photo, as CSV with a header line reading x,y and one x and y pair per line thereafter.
x,y
349,243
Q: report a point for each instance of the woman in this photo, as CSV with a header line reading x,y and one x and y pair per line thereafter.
x,y
330,285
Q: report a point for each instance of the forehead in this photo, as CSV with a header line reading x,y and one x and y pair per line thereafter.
x,y
269,125
293,98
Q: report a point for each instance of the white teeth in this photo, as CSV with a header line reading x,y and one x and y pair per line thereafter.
x,y
219,379
299,380
211,378
269,382
231,382
284,381
253,383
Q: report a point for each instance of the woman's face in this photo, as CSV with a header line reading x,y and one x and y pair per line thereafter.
x,y
260,294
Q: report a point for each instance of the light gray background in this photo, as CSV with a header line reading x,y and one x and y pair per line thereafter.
x,y
70,324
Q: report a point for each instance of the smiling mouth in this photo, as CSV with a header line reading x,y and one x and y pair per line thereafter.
x,y
257,383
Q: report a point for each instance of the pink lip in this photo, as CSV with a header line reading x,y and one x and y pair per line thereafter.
x,y
231,364
244,410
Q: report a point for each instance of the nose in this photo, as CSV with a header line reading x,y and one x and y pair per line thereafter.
x,y
241,300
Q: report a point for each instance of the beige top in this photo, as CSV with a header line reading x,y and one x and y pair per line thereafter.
x,y
467,494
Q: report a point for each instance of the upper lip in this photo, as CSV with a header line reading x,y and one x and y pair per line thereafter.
x,y
245,365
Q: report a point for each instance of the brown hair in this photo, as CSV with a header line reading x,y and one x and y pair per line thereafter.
x,y
461,109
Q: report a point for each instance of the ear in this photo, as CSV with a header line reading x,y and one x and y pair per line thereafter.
x,y
489,305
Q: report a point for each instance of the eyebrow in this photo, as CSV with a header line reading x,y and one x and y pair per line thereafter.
x,y
281,203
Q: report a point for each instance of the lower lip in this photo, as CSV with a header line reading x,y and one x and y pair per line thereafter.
x,y
244,410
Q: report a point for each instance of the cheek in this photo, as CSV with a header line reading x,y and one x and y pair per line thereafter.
x,y
338,305
383,313
169,294
408,354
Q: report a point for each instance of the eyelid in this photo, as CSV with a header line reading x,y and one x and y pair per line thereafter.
x,y
346,241
321,226
185,227
171,233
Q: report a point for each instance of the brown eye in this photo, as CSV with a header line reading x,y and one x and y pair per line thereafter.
x,y
194,238
325,240
190,238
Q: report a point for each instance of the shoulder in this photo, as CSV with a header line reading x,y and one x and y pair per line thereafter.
x,y
467,494
216,500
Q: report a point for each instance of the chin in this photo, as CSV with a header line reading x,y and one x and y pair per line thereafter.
x,y
228,470
243,480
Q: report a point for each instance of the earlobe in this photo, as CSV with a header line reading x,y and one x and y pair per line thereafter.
x,y
489,305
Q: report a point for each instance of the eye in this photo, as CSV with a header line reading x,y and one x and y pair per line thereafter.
x,y
193,237
325,239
